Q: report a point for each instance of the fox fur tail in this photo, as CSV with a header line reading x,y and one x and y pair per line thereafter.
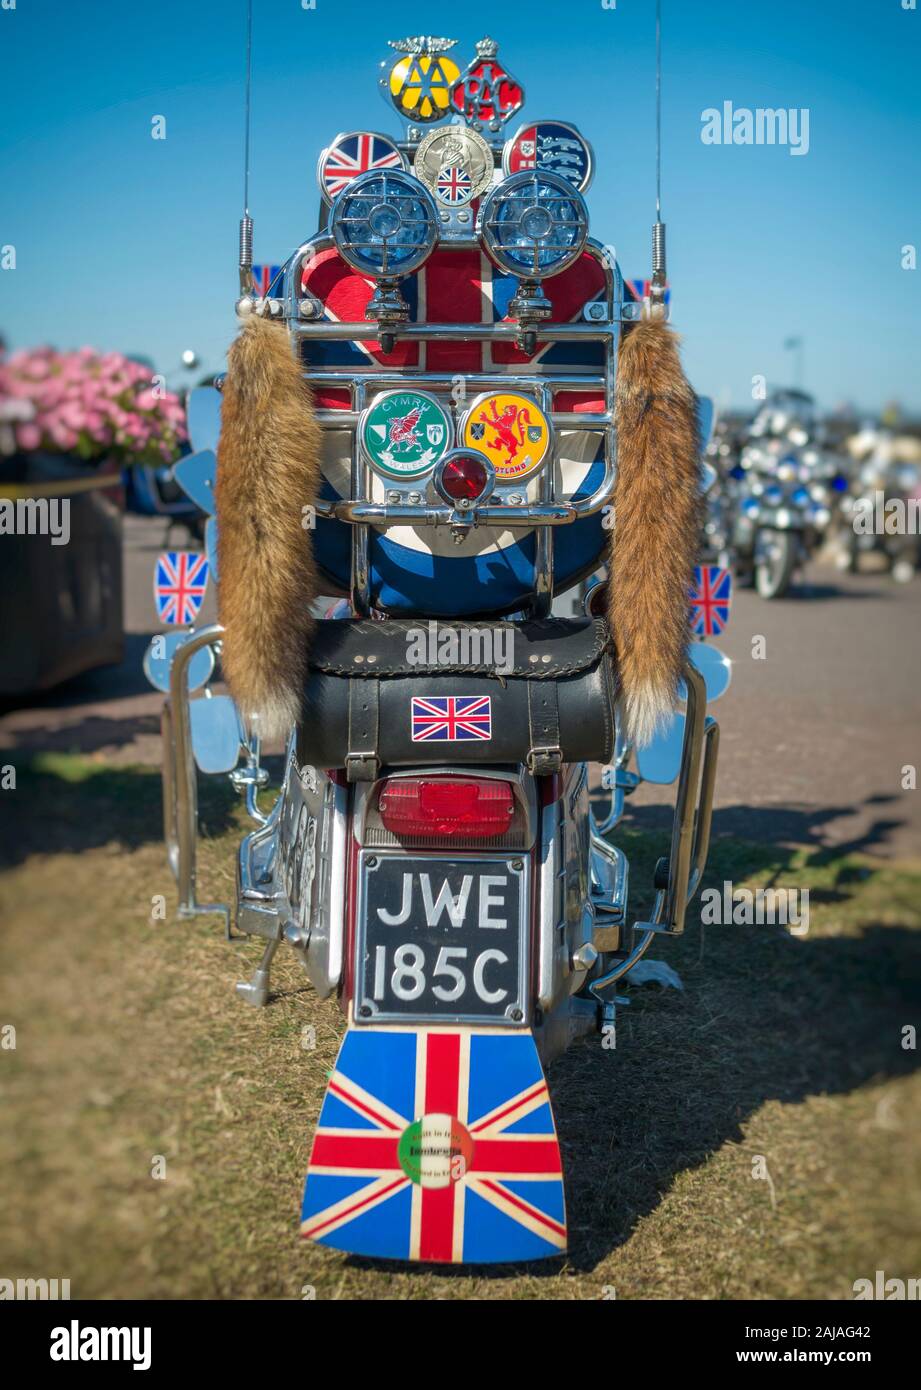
x,y
268,474
657,519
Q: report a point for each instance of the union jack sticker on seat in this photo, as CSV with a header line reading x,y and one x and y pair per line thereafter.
x,y
451,718
437,1144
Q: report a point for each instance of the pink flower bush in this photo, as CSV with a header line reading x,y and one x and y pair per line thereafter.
x,y
95,405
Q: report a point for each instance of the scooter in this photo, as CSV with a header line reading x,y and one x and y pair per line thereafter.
x,y
433,859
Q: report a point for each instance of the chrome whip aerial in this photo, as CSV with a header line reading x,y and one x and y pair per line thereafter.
x,y
659,272
246,222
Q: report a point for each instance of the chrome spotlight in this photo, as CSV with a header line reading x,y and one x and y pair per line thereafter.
x,y
385,224
533,225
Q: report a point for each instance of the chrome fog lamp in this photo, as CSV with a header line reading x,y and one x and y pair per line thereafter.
x,y
533,225
385,224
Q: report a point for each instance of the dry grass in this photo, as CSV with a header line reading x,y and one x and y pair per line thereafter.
x,y
130,1045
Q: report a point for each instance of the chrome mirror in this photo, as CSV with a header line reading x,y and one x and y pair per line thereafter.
x,y
211,546
706,416
660,760
217,737
714,666
203,417
158,659
196,474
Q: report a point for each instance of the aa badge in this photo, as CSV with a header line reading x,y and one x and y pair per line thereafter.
x,y
553,146
487,94
511,430
420,82
455,164
405,433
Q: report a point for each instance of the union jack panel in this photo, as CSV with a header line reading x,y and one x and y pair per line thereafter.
x,y
711,598
439,1145
180,580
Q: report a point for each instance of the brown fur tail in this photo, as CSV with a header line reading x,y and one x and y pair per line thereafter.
x,y
656,532
268,472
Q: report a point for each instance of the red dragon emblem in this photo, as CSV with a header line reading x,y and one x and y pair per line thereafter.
x,y
403,429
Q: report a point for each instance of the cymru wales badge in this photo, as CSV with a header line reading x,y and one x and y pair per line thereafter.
x,y
405,433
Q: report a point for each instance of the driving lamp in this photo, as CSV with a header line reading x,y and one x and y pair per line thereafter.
x,y
385,224
533,225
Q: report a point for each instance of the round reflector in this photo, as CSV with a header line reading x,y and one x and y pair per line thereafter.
x,y
465,475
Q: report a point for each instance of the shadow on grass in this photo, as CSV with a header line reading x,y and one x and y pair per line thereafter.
x,y
65,804
764,1016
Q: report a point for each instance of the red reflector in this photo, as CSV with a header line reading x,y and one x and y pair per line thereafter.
x,y
474,808
464,478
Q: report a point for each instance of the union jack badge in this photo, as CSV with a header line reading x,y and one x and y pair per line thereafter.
x,y
180,580
352,154
439,1145
454,163
450,718
710,600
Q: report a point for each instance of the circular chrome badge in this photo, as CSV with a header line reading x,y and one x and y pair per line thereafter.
x,y
354,153
405,433
511,430
455,164
554,146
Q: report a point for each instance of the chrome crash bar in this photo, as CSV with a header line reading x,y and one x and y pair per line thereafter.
x,y
405,504
180,787
690,830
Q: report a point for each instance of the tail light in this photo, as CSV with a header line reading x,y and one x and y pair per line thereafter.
x,y
464,476
471,808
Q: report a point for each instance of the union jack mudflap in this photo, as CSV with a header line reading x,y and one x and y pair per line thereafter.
x,y
437,1144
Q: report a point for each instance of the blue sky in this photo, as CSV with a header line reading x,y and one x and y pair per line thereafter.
x,y
126,242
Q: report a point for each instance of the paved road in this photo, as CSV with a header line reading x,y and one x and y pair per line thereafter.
x,y
814,737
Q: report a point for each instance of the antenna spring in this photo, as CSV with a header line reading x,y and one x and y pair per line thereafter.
x,y
658,248
246,242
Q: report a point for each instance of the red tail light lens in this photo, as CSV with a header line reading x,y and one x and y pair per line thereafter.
x,y
464,477
473,808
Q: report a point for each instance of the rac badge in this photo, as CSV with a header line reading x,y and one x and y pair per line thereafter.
x,y
487,95
405,433
511,430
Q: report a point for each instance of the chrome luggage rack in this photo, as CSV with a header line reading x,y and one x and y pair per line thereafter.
x,y
406,502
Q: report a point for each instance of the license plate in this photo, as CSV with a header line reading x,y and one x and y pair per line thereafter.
x,y
441,938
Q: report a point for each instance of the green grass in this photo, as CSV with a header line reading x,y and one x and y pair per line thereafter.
x,y
131,1045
